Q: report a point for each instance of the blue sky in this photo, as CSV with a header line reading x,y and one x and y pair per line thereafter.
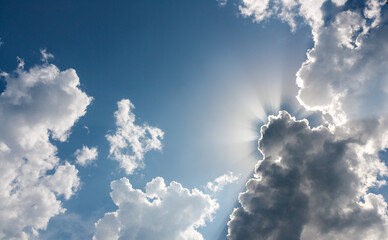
x,y
205,74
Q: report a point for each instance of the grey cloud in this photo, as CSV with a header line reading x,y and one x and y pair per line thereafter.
x,y
307,187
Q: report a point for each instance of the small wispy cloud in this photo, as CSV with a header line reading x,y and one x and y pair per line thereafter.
x,y
45,55
220,182
222,2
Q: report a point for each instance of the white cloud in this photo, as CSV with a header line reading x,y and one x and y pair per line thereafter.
x,y
86,155
286,10
346,68
344,74
130,141
161,212
38,104
220,182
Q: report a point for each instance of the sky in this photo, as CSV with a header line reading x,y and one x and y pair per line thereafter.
x,y
248,119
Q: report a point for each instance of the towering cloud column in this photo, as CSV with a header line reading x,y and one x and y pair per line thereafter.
x,y
315,183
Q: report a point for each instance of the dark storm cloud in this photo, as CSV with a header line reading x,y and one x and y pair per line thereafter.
x,y
305,188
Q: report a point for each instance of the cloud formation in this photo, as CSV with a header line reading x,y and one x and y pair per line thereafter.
x,y
86,155
314,183
308,186
130,141
37,105
346,66
161,212
220,182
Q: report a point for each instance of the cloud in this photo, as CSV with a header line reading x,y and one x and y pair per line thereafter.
x,y
220,182
87,129
45,55
314,183
37,105
346,66
161,212
309,186
86,155
286,10
130,141
222,2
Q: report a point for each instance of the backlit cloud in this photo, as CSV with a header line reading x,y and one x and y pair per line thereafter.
x,y
314,183
311,184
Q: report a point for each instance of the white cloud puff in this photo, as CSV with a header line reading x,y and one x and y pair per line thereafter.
x,y
37,104
161,212
86,155
345,72
130,141
220,182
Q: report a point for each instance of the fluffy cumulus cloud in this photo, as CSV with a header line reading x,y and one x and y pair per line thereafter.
x,y
220,182
130,141
86,155
315,183
161,211
164,212
347,66
37,105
